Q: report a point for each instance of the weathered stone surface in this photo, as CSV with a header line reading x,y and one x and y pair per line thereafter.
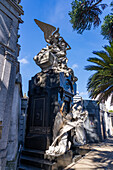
x,y
13,131
53,56
9,21
92,125
50,116
22,121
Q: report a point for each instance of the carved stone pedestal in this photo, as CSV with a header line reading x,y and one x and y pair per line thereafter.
x,y
47,92
61,161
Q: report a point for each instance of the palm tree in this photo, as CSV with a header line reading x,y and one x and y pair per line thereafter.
x,y
85,13
107,27
100,84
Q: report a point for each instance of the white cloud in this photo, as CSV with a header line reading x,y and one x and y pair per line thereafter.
x,y
23,61
83,93
74,66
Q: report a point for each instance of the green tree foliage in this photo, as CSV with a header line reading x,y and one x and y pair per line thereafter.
x,y
111,111
86,13
107,27
100,84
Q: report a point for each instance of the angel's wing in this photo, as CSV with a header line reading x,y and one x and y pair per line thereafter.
x,y
46,28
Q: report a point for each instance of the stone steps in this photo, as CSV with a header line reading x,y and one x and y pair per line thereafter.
x,y
33,152
31,159
25,167
34,160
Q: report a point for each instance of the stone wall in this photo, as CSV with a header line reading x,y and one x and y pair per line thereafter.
x,y
106,121
22,120
10,90
92,124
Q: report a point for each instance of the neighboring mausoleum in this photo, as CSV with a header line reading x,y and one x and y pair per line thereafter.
x,y
99,123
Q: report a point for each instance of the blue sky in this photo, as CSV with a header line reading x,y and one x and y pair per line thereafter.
x,y
55,12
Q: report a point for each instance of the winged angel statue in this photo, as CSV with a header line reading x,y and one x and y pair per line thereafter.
x,y
53,56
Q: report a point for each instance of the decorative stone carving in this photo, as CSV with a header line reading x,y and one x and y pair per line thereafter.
x,y
68,126
53,56
52,124
73,122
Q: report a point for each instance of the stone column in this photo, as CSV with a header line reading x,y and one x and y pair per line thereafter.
x,y
6,98
12,148
10,13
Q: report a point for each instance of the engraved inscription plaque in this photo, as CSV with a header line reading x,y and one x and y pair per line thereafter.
x,y
39,110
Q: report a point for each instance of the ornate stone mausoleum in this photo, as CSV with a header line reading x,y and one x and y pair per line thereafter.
x,y
54,125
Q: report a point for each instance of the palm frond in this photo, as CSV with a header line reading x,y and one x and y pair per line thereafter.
x,y
103,6
85,14
92,68
109,50
96,61
103,55
100,84
104,96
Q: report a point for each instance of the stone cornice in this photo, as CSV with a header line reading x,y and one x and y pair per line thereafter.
x,y
7,47
16,6
10,57
19,19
